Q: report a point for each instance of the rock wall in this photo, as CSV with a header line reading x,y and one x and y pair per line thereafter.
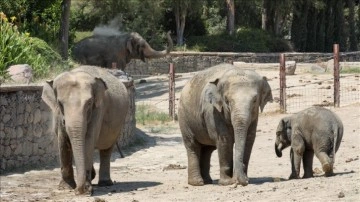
x,y
195,61
26,137
25,128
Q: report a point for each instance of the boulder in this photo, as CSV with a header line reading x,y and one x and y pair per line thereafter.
x,y
290,67
21,73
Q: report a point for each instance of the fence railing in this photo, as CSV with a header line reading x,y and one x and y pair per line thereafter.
x,y
324,91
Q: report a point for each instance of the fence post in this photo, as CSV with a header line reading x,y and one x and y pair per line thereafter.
x,y
172,91
282,84
114,65
336,76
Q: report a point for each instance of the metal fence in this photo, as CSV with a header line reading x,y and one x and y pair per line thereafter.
x,y
292,96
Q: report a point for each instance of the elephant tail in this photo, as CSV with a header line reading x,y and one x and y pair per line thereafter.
x,y
336,136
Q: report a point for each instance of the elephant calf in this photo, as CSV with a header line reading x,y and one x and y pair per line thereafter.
x,y
313,130
89,107
218,109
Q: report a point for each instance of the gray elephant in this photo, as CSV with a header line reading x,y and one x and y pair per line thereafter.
x,y
219,108
89,106
103,50
313,130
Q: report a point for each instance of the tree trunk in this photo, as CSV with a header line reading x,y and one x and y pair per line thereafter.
x,y
180,18
351,21
64,35
230,16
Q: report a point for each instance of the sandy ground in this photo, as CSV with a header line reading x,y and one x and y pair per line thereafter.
x,y
155,168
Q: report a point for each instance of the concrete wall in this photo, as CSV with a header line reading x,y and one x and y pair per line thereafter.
x,y
195,61
26,138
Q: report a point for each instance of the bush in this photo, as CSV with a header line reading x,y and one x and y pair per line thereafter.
x,y
244,40
146,114
20,48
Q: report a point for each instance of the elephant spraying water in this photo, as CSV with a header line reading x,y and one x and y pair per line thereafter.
x,y
219,109
104,50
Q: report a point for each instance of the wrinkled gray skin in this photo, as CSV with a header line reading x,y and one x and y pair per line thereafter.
x,y
103,50
315,130
89,106
218,109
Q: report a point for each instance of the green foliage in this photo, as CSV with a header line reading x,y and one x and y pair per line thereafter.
x,y
245,40
350,70
39,18
146,114
20,48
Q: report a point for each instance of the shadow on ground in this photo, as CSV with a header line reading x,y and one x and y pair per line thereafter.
x,y
119,187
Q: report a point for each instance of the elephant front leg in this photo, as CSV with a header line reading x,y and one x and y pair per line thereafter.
x,y
104,172
65,153
250,139
307,163
295,164
225,151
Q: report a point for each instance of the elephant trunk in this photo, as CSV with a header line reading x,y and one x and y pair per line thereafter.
x,y
151,53
77,132
240,122
278,149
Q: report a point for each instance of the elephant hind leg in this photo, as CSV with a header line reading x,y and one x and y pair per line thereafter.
x,y
206,152
104,171
326,163
194,171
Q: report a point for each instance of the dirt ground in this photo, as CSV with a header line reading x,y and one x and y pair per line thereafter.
x,y
155,168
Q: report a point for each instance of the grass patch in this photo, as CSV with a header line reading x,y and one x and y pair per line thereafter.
x,y
350,70
148,115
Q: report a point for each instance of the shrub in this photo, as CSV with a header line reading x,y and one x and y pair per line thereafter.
x,y
20,48
244,40
146,114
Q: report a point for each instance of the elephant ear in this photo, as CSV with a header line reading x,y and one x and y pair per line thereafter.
x,y
212,95
135,45
266,94
283,126
48,95
99,91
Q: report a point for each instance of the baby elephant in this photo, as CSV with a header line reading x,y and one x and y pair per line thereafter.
x,y
313,130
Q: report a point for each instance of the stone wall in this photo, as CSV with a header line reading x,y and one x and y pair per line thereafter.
x,y
195,61
25,128
26,137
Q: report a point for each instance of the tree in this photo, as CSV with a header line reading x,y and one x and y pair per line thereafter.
x,y
230,16
351,22
64,29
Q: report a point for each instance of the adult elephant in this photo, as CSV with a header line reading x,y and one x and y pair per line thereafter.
x,y
89,106
219,108
103,50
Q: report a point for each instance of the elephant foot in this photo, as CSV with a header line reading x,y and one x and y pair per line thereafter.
x,y
327,168
196,181
294,176
104,183
308,176
226,181
208,180
67,184
84,190
243,181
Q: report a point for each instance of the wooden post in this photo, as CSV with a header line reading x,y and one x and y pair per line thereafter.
x,y
113,65
336,76
172,91
282,84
